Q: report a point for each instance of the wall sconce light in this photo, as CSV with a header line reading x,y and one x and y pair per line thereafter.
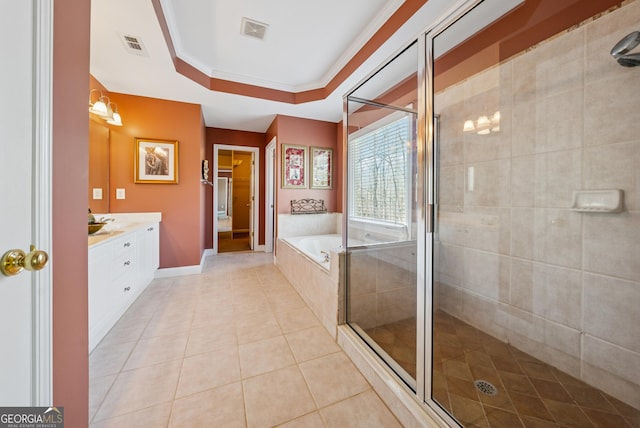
x,y
102,107
116,119
483,125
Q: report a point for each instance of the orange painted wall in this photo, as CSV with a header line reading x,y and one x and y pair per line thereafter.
x,y
305,132
70,157
233,138
181,234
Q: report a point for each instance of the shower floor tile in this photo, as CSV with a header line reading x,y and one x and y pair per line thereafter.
x,y
529,392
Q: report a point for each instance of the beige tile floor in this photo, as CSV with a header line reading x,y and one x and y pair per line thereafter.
x,y
233,347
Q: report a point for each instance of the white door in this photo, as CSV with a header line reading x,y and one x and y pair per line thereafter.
x,y
270,191
24,84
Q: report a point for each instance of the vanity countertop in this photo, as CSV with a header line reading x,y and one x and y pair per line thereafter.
x,y
122,223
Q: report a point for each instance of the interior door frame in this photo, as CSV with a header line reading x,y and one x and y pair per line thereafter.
x,y
270,190
255,180
42,205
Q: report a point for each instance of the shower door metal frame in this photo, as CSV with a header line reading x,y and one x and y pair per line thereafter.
x,y
420,284
426,204
427,118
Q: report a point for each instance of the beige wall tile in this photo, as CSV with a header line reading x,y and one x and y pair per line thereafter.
x,y
558,237
611,310
614,166
486,315
563,296
523,222
523,181
605,115
362,311
451,300
451,264
559,64
451,186
614,359
396,305
527,325
492,184
562,338
625,391
559,121
528,290
557,175
485,273
612,244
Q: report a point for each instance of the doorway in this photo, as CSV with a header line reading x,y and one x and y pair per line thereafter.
x,y
270,195
235,199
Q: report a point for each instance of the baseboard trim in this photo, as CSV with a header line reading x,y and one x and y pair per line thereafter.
x,y
178,271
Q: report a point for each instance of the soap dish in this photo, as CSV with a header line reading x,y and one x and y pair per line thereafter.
x,y
598,201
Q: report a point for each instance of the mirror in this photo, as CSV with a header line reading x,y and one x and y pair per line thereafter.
x,y
224,187
98,167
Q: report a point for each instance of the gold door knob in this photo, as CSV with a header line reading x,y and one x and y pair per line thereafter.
x,y
14,261
35,259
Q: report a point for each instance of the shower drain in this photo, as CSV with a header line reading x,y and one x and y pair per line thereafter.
x,y
485,387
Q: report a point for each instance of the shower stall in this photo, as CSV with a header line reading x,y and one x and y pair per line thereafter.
x,y
492,216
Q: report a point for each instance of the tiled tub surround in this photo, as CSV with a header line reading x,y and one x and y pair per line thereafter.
x,y
321,288
512,258
309,224
317,247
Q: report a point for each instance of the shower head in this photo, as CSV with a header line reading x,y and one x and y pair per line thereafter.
x,y
631,60
621,50
626,44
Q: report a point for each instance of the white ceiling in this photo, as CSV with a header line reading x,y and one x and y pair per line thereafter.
x,y
306,44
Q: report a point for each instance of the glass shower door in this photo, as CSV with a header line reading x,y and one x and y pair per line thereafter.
x,y
381,225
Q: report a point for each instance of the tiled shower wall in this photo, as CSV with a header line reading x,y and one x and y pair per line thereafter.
x,y
512,258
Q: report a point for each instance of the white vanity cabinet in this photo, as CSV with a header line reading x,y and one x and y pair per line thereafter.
x,y
148,239
120,268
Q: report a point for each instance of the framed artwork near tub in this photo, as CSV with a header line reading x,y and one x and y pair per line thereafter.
x,y
156,161
321,168
294,167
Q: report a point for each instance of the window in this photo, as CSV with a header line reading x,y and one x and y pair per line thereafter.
x,y
380,163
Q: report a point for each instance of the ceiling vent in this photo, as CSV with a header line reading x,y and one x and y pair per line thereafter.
x,y
253,28
134,45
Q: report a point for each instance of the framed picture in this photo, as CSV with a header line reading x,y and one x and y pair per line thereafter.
x,y
156,161
321,168
294,167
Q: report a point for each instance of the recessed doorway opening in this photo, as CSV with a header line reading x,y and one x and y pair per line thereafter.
x,y
235,199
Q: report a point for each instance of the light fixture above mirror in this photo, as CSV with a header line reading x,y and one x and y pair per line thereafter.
x,y
102,108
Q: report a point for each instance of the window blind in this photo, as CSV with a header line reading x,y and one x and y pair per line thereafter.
x,y
379,165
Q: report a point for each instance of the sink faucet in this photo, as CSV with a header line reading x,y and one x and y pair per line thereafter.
x,y
326,257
